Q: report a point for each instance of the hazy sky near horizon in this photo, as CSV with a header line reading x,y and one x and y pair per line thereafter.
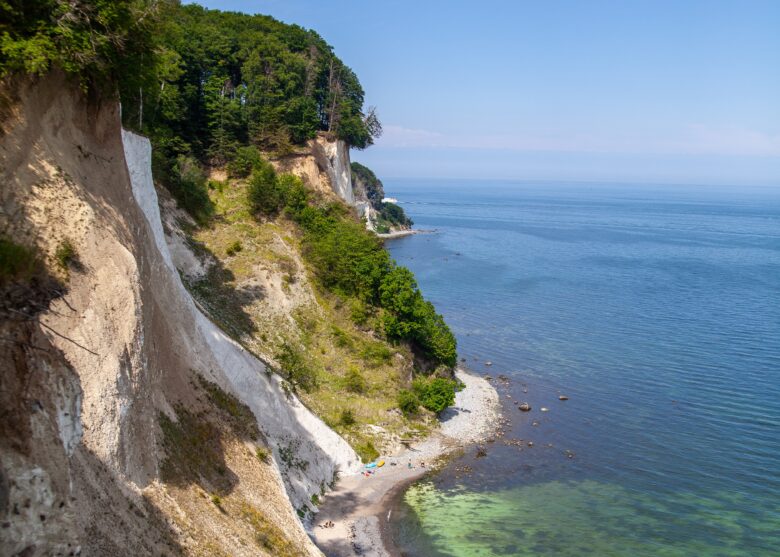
x,y
651,91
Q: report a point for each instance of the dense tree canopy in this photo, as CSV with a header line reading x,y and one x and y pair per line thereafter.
x,y
222,79
198,81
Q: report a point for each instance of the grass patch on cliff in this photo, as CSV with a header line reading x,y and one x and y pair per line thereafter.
x,y
236,414
195,441
267,535
350,367
193,449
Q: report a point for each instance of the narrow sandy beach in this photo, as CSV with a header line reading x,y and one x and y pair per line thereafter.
x,y
403,233
357,506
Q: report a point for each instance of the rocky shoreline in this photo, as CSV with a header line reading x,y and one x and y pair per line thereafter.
x,y
352,517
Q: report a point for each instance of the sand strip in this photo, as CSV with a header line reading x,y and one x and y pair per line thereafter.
x,y
357,506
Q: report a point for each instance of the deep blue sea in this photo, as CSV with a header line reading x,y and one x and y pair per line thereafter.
x,y
656,310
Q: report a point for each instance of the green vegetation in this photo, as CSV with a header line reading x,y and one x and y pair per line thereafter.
x,y
297,368
185,179
347,417
352,262
99,42
234,248
65,254
354,382
206,86
17,263
392,215
435,394
244,161
364,176
408,402
367,452
263,454
267,195
268,535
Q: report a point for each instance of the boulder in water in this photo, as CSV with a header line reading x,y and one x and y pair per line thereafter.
x,y
524,407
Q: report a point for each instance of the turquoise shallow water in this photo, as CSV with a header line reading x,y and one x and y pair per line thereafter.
x,y
656,309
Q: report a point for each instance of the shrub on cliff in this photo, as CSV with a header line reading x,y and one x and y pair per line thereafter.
x,y
434,394
394,215
296,368
265,196
408,402
245,160
188,184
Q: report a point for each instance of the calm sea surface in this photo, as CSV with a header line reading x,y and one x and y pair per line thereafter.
x,y
656,309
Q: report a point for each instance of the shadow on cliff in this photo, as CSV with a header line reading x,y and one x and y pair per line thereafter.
x,y
196,441
223,300
113,523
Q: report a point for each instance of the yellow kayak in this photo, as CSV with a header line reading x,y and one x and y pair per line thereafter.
x,y
380,463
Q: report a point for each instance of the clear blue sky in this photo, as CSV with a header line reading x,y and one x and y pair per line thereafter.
x,y
651,91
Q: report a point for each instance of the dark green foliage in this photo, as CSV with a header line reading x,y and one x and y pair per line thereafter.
x,y
17,263
364,176
234,248
245,160
434,394
297,368
352,262
354,381
394,215
265,195
185,179
347,417
101,42
408,402
411,317
222,79
65,254
367,452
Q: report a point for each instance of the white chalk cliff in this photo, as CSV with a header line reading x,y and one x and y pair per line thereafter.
x,y
89,380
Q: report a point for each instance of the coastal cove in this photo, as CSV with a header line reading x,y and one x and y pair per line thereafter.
x,y
654,310
353,517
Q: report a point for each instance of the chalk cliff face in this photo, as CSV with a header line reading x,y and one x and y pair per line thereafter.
x,y
99,390
325,166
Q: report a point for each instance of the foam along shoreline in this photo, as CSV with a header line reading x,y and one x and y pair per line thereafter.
x,y
352,517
